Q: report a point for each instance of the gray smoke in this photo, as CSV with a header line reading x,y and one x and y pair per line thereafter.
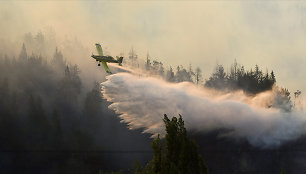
x,y
142,102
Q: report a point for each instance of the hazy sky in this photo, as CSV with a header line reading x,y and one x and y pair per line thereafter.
x,y
271,34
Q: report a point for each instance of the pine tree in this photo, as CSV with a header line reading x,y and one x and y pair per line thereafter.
x,y
161,69
133,57
170,75
218,79
180,154
191,73
157,156
198,75
68,92
23,53
148,62
58,60
273,77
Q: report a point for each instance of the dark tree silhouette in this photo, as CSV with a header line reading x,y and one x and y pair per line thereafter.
x,y
182,75
170,77
251,82
93,102
198,76
180,154
218,79
23,54
58,60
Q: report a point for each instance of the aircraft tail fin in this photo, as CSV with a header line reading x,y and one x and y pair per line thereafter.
x,y
119,59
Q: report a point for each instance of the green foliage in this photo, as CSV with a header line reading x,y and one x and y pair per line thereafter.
x,y
283,171
139,169
180,154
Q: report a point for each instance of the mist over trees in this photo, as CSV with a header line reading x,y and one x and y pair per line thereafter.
x,y
251,82
238,78
51,123
40,111
180,74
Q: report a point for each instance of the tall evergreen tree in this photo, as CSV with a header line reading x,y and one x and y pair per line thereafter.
x,y
148,62
191,72
133,57
273,77
23,53
157,155
218,78
170,75
198,75
69,90
58,60
180,155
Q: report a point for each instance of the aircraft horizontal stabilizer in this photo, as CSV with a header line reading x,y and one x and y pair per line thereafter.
x,y
119,59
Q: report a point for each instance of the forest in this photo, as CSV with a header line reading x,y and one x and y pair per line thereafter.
x,y
50,122
251,82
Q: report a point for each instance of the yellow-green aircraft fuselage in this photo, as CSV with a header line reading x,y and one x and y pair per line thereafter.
x,y
106,59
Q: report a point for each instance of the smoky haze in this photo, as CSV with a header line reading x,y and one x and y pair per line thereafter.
x,y
142,101
176,33
268,34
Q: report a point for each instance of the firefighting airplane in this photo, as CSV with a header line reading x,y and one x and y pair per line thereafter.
x,y
105,59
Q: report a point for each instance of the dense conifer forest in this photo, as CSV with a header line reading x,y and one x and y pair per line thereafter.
x,y
50,122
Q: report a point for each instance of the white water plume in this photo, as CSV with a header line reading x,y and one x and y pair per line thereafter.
x,y
142,102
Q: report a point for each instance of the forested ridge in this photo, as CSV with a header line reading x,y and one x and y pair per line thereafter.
x,y
52,123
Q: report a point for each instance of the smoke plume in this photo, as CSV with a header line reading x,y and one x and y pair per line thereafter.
x,y
142,102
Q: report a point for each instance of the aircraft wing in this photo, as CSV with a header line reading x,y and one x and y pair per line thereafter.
x,y
106,67
99,49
